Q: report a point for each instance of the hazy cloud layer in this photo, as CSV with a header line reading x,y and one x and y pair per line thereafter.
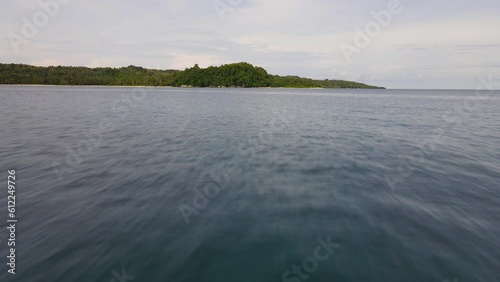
x,y
430,44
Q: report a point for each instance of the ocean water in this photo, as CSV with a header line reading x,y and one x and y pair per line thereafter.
x,y
163,184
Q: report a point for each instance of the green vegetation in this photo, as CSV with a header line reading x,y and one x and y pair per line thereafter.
x,y
231,75
132,76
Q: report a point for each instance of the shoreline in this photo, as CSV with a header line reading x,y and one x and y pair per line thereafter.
x,y
234,75
173,87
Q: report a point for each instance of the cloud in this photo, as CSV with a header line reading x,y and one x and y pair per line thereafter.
x,y
429,45
29,4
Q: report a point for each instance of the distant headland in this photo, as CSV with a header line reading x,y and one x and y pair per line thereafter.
x,y
241,75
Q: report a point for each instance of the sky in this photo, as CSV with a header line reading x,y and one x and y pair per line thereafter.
x,y
410,44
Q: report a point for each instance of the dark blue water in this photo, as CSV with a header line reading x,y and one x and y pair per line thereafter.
x,y
130,184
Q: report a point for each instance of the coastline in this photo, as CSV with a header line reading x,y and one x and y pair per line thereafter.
x,y
235,75
173,87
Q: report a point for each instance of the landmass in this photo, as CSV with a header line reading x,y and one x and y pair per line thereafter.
x,y
242,75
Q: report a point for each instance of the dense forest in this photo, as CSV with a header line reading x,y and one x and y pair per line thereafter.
x,y
231,75
133,76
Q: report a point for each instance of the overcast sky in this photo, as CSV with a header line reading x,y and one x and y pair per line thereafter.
x,y
429,44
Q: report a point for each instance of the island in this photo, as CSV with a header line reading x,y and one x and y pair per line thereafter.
x,y
241,75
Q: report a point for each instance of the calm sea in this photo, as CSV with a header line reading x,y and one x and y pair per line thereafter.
x,y
192,185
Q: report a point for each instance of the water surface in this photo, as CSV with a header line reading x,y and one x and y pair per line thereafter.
x,y
405,182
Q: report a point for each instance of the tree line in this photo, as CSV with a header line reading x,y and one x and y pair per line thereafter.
x,y
230,75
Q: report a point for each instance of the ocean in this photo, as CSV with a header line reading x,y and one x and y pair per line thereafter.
x,y
119,184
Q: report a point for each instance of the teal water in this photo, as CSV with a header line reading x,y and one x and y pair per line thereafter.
x,y
155,184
